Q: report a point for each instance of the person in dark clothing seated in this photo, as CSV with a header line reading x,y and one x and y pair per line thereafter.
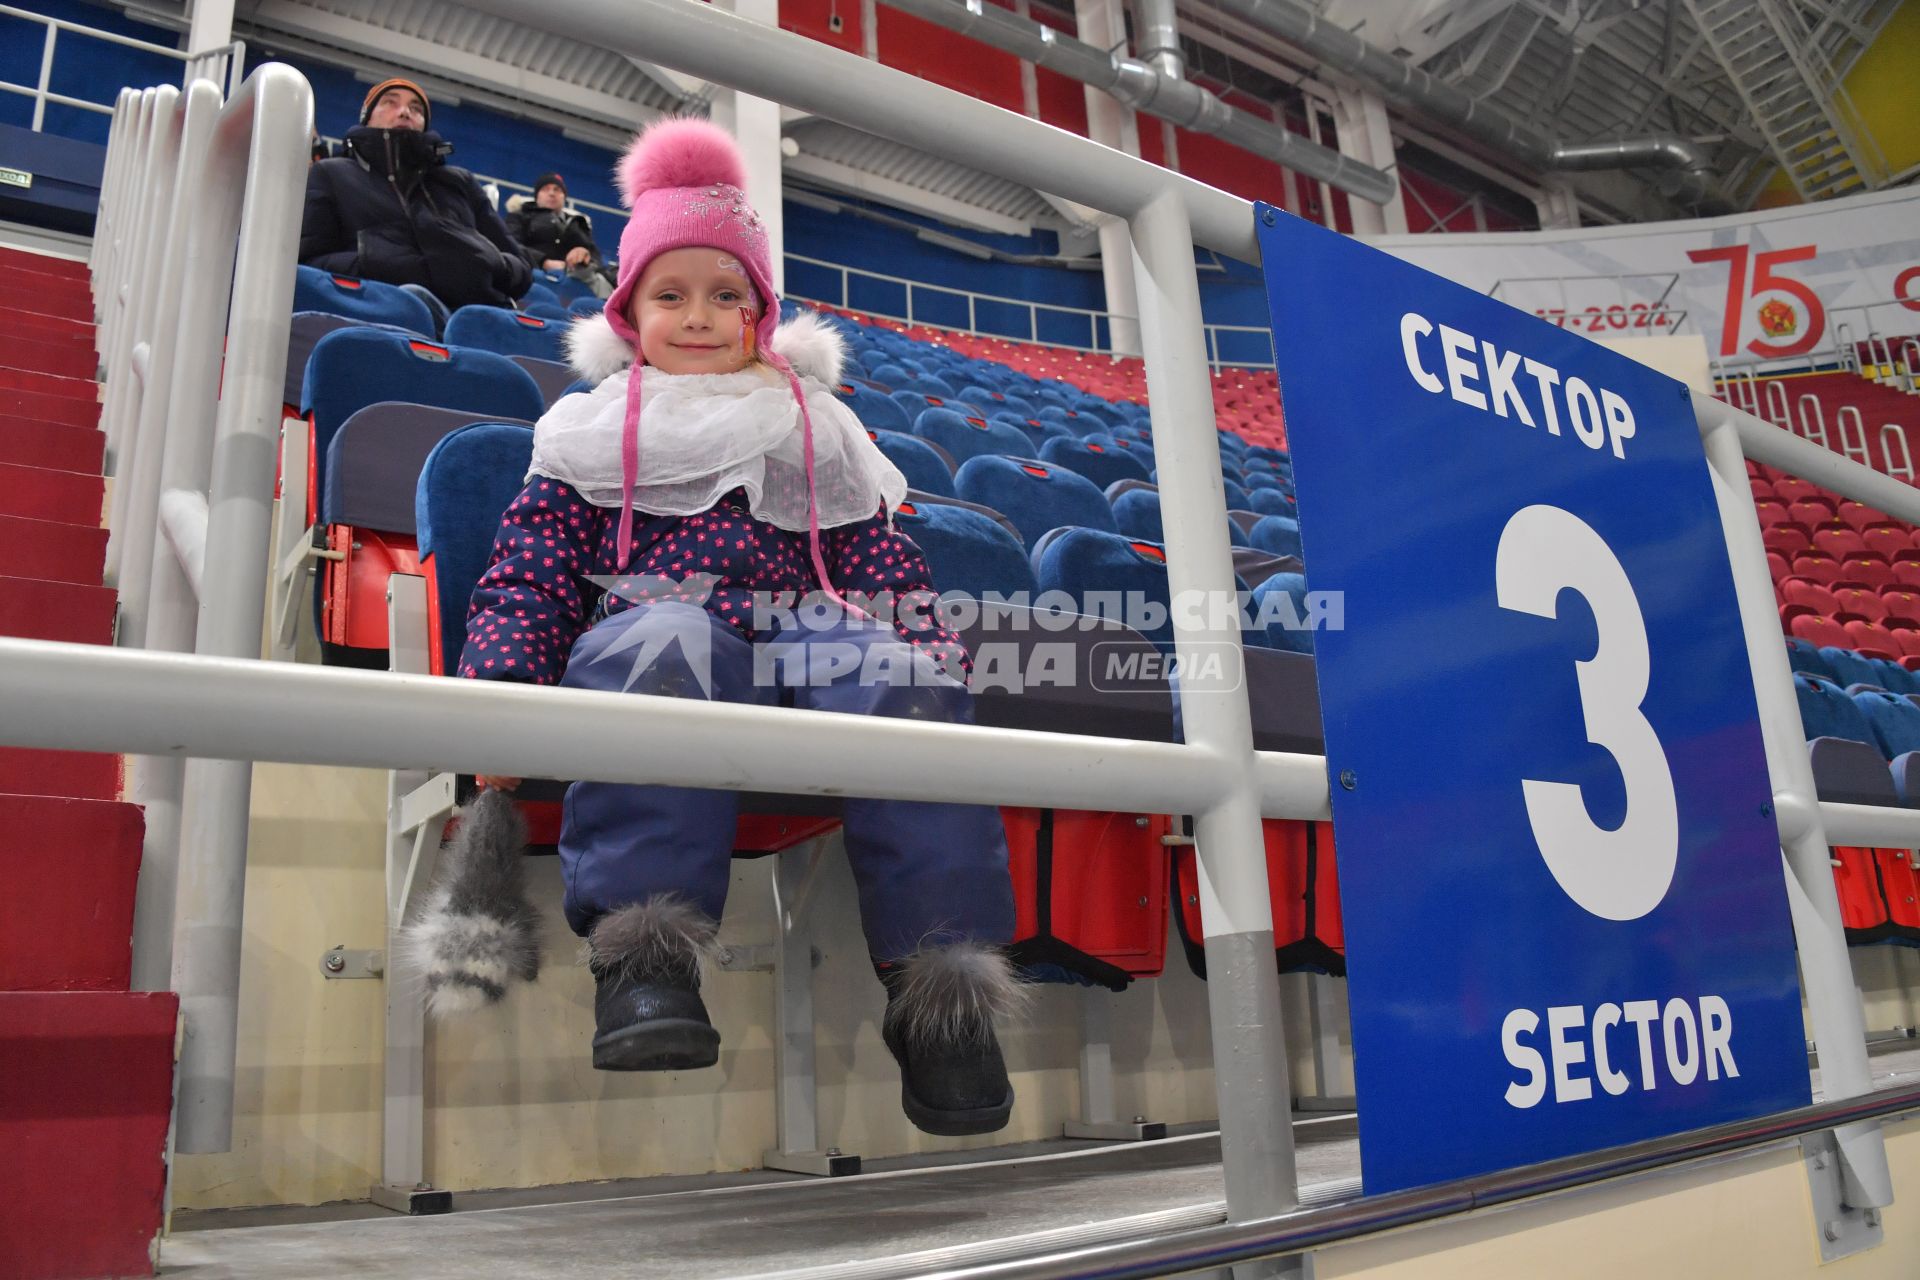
x,y
391,208
554,237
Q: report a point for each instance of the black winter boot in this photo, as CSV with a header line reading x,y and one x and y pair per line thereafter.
x,y
941,1007
647,1010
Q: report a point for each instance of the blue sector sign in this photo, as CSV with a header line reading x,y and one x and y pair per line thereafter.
x,y
1565,909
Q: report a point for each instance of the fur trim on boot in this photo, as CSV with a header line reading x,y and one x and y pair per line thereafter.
x,y
665,937
478,932
647,960
942,1004
953,994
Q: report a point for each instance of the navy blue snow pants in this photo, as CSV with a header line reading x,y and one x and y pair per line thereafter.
x,y
926,872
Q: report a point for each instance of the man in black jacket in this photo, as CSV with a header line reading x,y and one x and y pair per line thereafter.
x,y
390,208
553,237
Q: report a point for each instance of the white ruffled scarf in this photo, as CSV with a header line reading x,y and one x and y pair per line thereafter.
x,y
704,435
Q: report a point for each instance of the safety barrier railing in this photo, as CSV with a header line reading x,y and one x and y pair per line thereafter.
x,y
199,229
224,65
1099,324
218,708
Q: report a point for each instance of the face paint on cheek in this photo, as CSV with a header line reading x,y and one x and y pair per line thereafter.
x,y
747,335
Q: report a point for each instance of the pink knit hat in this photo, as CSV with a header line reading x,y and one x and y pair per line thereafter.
x,y
684,181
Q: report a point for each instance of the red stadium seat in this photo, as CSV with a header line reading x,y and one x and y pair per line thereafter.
x,y
1793,488
1811,512
1909,641
1788,540
1903,606
1867,570
1817,566
1771,514
1859,515
1864,912
1812,596
1762,489
1873,640
1820,632
1777,565
1888,541
1907,573
1839,543
1856,603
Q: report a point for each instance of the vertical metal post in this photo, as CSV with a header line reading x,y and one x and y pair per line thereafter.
x,y
111,306
183,392
259,147
100,254
413,845
1833,1003
796,1082
174,200
46,77
119,409
1243,988
1098,1117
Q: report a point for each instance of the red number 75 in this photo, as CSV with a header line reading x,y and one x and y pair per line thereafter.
x,y
1764,281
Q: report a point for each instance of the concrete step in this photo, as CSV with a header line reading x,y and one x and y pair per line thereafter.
x,y
85,1102
70,868
51,551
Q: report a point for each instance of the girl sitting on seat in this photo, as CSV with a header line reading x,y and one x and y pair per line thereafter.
x,y
710,470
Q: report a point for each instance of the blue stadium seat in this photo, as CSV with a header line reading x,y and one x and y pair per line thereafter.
x,y
875,409
968,552
1827,712
1894,719
1803,655
1278,534
468,482
1098,459
1279,634
511,333
1237,498
1036,497
928,384
368,300
541,290
1850,668
922,464
1079,561
580,308
1269,502
1040,430
966,436
353,368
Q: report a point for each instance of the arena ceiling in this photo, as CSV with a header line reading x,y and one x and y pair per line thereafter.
x,y
1583,70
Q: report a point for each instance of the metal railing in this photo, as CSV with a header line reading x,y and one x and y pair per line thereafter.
x,y
224,65
193,269
1099,324
218,707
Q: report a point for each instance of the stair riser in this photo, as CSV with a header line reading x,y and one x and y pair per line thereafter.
x,y
44,382
66,919
47,329
64,496
52,552
83,1121
26,260
62,359
46,296
50,445
33,609
80,774
65,410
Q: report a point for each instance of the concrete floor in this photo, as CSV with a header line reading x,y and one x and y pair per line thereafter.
x,y
900,1218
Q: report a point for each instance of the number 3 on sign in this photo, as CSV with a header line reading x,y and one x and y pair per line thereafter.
x,y
1624,873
